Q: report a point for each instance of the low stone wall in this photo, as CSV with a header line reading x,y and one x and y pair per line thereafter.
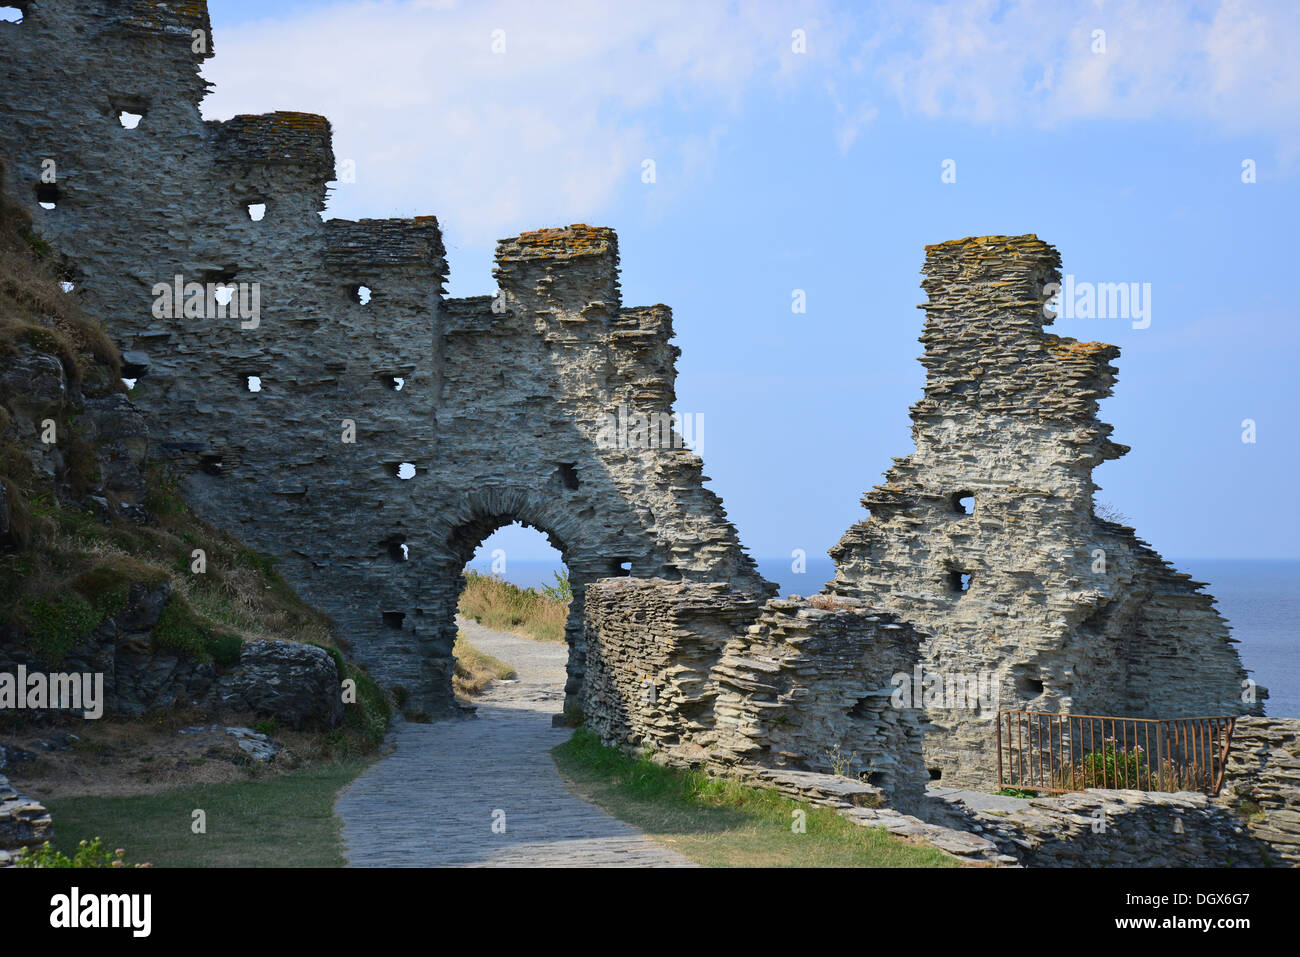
x,y
1124,828
1262,782
704,676
808,687
651,645
23,823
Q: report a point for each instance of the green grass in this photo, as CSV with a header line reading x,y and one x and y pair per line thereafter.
x,y
719,823
283,821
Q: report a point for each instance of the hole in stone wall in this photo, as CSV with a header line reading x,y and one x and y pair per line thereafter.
x,y
48,195
254,383
1028,686
12,14
129,383
133,369
129,120
959,581
936,774
211,464
67,286
394,382
963,502
568,475
394,619
256,211
403,470
361,294
622,567
398,550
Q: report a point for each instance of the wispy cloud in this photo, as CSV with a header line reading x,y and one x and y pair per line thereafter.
x,y
542,133
551,130
1230,63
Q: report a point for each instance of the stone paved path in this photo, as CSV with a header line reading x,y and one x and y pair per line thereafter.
x,y
431,802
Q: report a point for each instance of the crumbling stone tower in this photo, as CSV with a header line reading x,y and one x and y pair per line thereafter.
x,y
985,538
394,428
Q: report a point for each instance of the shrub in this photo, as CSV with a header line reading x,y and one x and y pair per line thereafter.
x,y
180,630
88,854
56,625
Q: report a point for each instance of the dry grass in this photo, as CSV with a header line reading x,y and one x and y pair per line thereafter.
x,y
475,670
497,604
35,309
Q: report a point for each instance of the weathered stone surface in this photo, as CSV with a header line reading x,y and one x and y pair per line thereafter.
x,y
24,822
502,400
1118,828
295,683
1262,782
705,676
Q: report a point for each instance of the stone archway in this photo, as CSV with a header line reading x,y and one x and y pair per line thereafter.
x,y
388,428
586,560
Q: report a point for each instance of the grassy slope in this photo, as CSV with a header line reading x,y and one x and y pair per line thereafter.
x,y
66,569
502,606
285,821
720,823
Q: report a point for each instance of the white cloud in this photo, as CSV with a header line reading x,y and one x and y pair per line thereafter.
x,y
1232,63
545,133
554,130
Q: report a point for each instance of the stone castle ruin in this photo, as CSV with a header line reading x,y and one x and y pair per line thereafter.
x,y
393,429
985,537
982,578
389,437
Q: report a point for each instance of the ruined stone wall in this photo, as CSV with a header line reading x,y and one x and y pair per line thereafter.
x,y
985,537
705,677
498,411
1262,782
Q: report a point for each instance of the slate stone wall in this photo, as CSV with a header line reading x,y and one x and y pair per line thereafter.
x,y
1262,782
497,403
985,538
703,677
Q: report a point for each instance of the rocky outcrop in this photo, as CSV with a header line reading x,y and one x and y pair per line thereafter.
x,y
296,684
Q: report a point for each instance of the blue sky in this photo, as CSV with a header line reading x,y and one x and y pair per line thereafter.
x,y
821,171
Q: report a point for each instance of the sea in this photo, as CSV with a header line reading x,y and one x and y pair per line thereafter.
x,y
1260,598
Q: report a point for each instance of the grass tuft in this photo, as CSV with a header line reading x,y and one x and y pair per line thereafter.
x,y
722,823
475,669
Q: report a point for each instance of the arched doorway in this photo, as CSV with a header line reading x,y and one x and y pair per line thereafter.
x,y
590,547
516,585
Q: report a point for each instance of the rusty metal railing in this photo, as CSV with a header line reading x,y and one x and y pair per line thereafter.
x,y
1055,753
